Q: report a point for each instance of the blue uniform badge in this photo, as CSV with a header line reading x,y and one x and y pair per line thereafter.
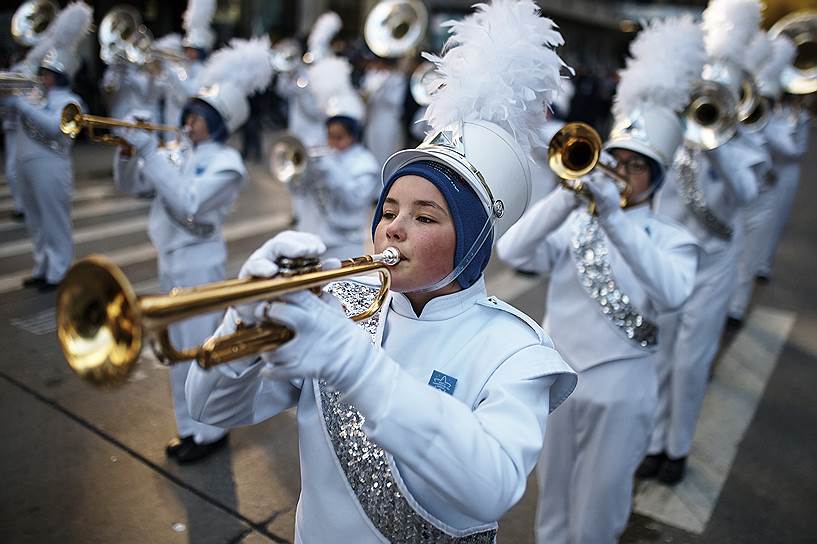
x,y
200,170
444,383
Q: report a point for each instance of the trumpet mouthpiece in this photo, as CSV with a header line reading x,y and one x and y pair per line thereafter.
x,y
390,256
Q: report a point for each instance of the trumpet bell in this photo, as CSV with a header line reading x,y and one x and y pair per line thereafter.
x,y
574,151
117,29
98,318
71,120
424,82
738,81
288,158
31,19
759,116
711,117
801,27
395,27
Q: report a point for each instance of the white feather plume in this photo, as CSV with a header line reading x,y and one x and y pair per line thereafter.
x,y
329,77
324,29
70,26
758,53
729,25
36,54
199,14
666,58
245,63
499,65
783,53
171,41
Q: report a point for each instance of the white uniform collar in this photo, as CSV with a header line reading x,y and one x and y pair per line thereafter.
x,y
207,145
639,212
442,307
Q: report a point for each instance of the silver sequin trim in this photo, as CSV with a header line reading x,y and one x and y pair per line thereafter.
x,y
596,277
367,467
35,134
692,196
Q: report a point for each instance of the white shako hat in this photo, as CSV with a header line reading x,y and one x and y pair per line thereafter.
x,y
65,34
769,76
331,84
729,27
196,23
232,73
497,74
666,59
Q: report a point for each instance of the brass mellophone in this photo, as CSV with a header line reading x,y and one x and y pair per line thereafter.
x,y
73,121
102,325
573,153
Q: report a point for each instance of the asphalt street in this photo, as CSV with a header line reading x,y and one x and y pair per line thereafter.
x,y
88,466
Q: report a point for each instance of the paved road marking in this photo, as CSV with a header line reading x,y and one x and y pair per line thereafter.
x,y
145,252
728,409
94,192
96,209
84,235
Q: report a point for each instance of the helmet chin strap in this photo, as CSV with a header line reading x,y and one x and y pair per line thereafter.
x,y
463,264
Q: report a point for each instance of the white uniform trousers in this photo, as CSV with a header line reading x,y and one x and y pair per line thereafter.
x,y
684,364
12,176
758,222
47,183
186,334
785,190
593,444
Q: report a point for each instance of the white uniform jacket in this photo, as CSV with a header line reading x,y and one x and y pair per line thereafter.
x,y
130,89
305,118
178,85
40,135
728,181
338,190
652,260
463,455
191,200
386,92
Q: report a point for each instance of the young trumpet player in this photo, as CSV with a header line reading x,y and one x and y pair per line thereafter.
x,y
43,153
422,423
195,187
339,185
611,276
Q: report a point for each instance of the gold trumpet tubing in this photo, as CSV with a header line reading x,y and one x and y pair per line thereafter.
x,y
99,121
161,310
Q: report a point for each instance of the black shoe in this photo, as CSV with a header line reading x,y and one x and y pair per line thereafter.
x,y
734,323
193,452
177,443
47,287
762,278
34,281
672,470
18,216
650,466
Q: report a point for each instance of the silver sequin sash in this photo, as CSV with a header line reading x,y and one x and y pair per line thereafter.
x,y
369,470
596,277
692,196
35,134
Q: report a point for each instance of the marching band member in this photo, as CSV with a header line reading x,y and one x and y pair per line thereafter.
x,y
422,423
129,87
43,155
338,186
611,276
305,117
705,191
181,85
28,66
779,139
384,86
195,188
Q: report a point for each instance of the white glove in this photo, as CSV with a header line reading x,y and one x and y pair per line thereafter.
x,y
327,345
261,263
143,141
605,193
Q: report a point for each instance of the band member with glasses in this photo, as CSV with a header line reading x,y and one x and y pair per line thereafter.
x,y
422,423
195,187
611,276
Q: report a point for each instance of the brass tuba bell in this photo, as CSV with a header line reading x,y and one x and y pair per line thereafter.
x,y
31,20
801,27
711,116
739,81
102,325
394,27
289,157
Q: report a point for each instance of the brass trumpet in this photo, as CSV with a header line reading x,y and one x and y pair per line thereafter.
x,y
72,121
102,325
573,153
801,27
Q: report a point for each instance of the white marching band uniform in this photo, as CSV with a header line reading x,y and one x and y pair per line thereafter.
x,y
336,191
413,428
10,126
385,91
305,118
191,202
130,88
